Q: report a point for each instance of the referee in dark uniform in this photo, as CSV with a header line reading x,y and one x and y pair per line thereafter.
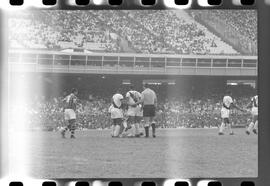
x,y
149,101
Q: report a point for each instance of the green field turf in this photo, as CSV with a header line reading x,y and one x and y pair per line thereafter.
x,y
175,153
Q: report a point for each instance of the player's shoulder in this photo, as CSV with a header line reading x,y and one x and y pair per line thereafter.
x,y
227,98
72,96
254,98
117,95
138,93
120,96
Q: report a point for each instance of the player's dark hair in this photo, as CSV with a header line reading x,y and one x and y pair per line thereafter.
x,y
73,90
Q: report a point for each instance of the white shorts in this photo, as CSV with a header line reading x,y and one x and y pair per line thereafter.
x,y
135,111
116,113
70,114
254,111
225,113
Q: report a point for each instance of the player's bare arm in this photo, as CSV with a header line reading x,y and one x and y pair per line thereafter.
x,y
249,105
155,101
234,105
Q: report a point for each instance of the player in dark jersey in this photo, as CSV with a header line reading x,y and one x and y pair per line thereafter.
x,y
70,102
253,126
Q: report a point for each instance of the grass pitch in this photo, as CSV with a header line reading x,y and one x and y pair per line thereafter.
x,y
175,153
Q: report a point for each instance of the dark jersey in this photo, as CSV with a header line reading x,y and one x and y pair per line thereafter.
x,y
70,102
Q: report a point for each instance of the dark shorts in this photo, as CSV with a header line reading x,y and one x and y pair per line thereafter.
x,y
226,120
138,119
117,121
255,118
149,111
134,119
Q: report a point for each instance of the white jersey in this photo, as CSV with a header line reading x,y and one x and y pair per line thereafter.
x,y
255,105
227,101
254,101
225,110
115,109
133,96
117,100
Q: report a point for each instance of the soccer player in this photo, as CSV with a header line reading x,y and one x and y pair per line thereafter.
x,y
116,112
149,101
253,126
228,103
69,112
134,111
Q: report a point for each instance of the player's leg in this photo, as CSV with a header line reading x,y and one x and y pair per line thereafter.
x,y
224,115
137,126
250,127
153,126
72,128
255,129
116,131
65,128
130,122
146,126
222,127
113,128
255,119
146,120
228,123
72,123
152,122
123,126
138,120
118,123
129,127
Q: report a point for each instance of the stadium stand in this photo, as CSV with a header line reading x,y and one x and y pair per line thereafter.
x,y
185,111
237,27
140,31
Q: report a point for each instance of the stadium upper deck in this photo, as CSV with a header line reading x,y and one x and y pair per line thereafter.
x,y
126,63
136,31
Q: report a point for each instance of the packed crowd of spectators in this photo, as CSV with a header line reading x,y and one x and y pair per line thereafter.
x,y
243,21
49,29
144,31
172,112
238,25
180,36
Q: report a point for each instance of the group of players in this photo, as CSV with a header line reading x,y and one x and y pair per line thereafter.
x,y
228,104
126,113
129,112
137,109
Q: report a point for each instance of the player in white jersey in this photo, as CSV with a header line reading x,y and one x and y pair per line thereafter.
x,y
134,111
227,105
253,126
116,112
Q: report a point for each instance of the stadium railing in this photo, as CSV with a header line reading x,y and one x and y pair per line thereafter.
x,y
132,63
